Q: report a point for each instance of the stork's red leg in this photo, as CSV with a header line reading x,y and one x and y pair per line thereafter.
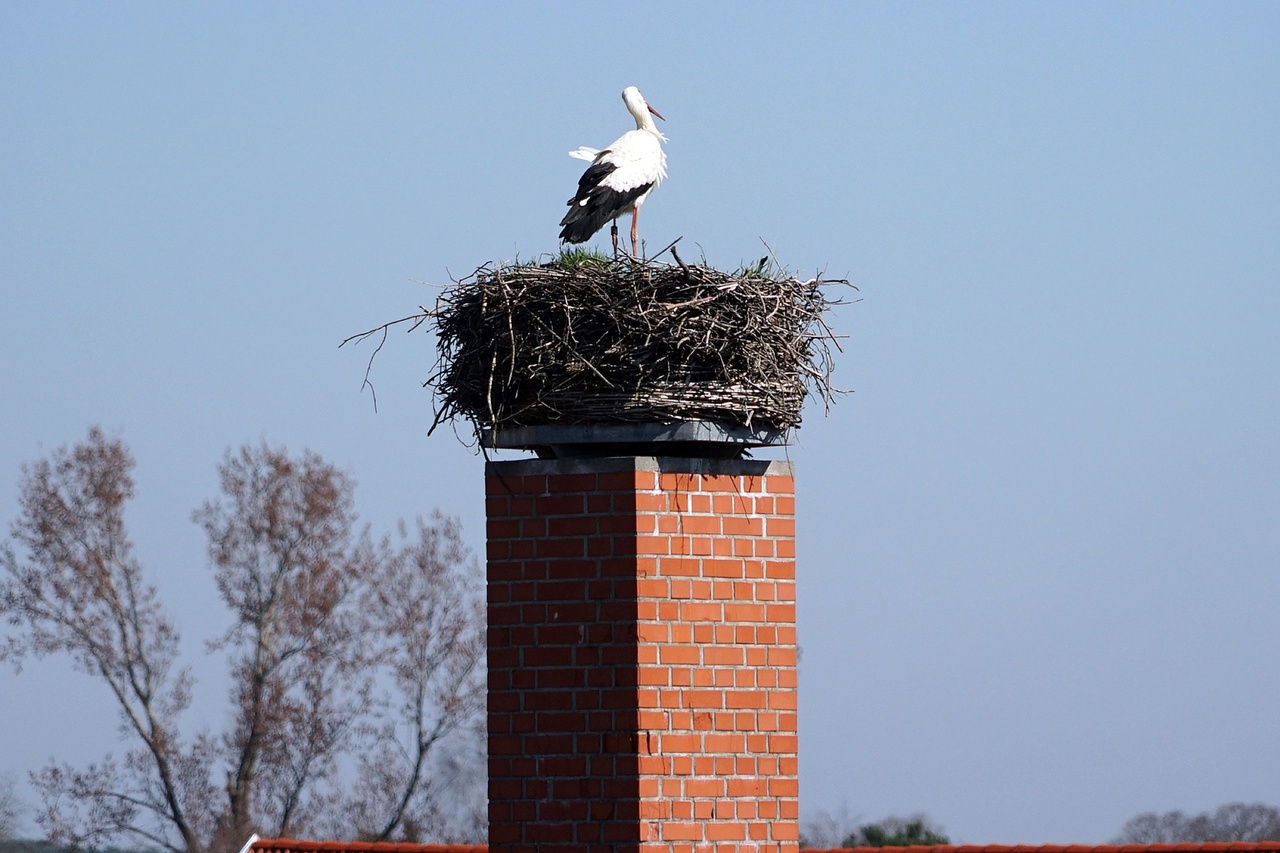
x,y
635,215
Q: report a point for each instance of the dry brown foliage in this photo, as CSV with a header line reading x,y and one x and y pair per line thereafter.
x,y
351,659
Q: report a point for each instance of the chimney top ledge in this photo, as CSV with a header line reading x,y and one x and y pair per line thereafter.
x,y
662,464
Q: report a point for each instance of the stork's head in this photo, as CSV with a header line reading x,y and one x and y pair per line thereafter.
x,y
639,108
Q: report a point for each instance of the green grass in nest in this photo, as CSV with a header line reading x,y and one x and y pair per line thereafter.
x,y
578,258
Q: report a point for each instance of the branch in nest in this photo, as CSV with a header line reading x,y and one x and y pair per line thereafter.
x,y
416,319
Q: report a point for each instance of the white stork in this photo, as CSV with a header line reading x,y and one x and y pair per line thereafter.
x,y
619,178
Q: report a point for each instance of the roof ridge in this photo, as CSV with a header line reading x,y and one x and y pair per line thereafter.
x,y
294,845
298,845
1179,847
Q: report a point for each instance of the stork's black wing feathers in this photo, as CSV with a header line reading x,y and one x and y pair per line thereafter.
x,y
595,174
594,204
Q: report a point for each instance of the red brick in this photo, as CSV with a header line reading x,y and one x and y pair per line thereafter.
x,y
783,743
551,548
740,787
643,503
499,486
701,525
742,612
722,568
652,633
780,613
654,676
723,655
744,525
646,611
671,638
571,525
723,743
503,528
782,656
679,566
532,485
674,654
699,611
653,545
742,699
780,526
783,786
681,831
720,830
703,699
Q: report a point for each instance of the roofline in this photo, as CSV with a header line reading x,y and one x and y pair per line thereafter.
x,y
1184,847
291,845
295,845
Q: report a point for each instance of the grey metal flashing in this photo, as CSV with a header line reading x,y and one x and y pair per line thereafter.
x,y
661,464
637,433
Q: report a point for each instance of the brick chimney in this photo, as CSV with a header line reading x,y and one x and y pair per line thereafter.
x,y
642,655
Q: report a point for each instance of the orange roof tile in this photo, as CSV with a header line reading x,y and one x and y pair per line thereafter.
x,y
293,845
290,845
1205,847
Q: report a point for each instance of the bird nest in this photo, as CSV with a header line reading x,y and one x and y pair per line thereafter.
x,y
585,339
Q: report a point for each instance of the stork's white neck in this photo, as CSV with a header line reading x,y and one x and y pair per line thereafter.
x,y
644,121
639,109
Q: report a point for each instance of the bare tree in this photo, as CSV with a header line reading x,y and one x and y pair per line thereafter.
x,y
10,809
351,661
287,562
1247,822
1230,822
425,616
1152,828
80,592
825,829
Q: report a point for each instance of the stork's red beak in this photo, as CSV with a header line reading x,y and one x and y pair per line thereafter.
x,y
655,112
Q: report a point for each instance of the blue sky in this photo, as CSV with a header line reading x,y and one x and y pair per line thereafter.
x,y
1039,545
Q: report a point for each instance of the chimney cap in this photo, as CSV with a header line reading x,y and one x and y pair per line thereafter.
x,y
676,438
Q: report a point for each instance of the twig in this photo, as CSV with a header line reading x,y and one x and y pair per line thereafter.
x,y
421,317
417,320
